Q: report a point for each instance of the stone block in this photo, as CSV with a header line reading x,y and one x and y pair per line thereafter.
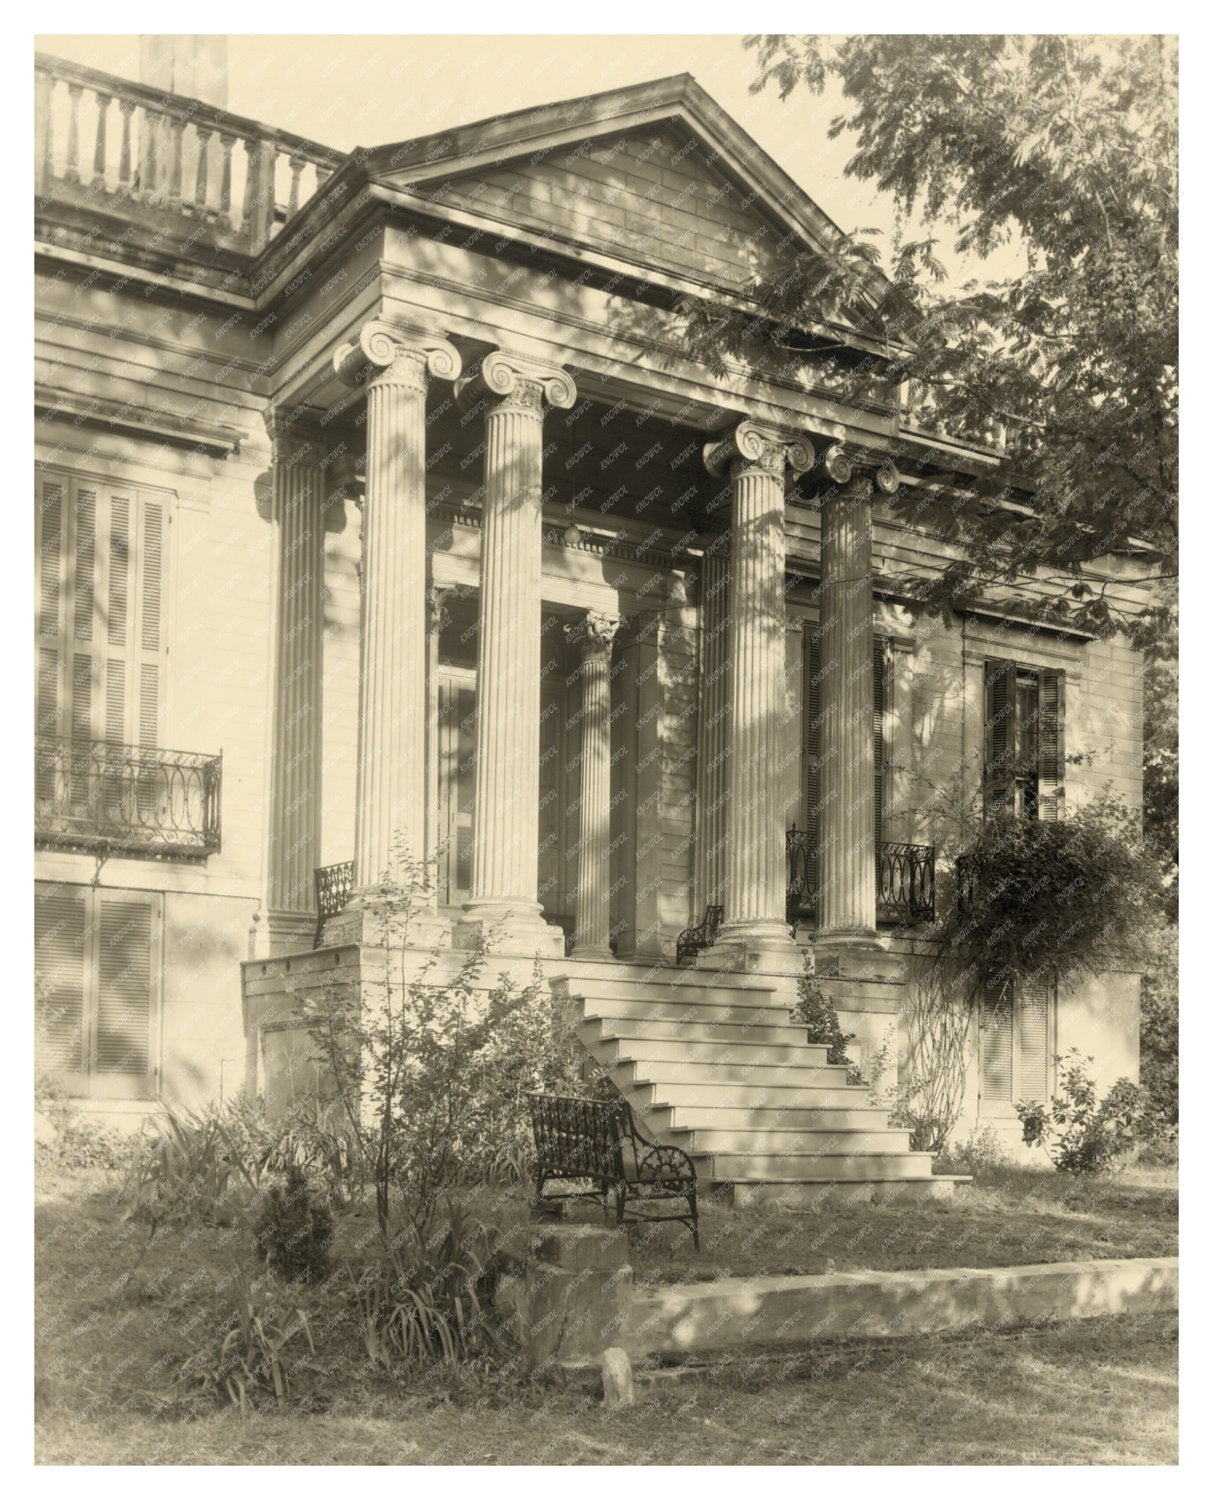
x,y
618,1386
580,1247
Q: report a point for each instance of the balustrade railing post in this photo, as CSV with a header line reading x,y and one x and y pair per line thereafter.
x,y
226,142
201,185
71,170
127,106
100,151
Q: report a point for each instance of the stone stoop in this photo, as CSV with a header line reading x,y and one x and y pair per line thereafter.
x,y
712,1063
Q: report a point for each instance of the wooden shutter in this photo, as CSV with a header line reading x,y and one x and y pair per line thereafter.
x,y
996,1047
1001,738
101,576
1032,1041
61,957
1052,746
97,962
124,980
882,703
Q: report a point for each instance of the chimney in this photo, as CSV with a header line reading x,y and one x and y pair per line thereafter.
x,y
192,65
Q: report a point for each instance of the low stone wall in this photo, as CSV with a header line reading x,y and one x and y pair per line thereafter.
x,y
578,1299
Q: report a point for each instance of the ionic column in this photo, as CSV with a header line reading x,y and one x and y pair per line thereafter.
x,y
757,458
395,365
504,911
594,635
846,861
299,451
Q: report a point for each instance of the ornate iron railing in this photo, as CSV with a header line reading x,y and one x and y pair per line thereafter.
x,y
966,878
334,884
905,880
133,800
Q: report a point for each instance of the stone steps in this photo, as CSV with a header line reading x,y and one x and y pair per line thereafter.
x,y
834,1167
741,1056
727,1034
712,1062
783,1143
689,1117
645,1093
637,1067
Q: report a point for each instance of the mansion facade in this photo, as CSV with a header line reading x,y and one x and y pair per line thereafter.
x,y
385,528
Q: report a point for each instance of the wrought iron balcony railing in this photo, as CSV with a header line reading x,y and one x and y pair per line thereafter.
x,y
905,880
125,800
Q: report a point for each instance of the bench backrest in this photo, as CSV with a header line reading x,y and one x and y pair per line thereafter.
x,y
580,1136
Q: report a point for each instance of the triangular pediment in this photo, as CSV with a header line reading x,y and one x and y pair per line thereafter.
x,y
656,176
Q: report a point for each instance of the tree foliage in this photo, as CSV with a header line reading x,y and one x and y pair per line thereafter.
x,y
1060,155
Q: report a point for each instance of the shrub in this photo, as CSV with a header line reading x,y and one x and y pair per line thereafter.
x,y
982,1153
1068,898
814,1011
293,1233
245,1361
192,1166
431,1299
1078,1132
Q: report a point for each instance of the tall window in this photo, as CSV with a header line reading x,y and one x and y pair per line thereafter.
x,y
1024,740
1024,774
100,575
97,970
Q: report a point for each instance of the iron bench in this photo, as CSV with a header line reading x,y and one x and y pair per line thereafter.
x,y
597,1140
692,940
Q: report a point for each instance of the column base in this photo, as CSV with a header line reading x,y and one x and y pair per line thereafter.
x,y
763,946
366,920
512,929
278,932
857,973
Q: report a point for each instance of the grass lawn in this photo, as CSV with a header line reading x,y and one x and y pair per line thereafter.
x,y
116,1318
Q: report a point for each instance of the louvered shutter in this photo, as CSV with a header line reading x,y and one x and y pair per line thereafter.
x,y
61,959
996,1047
811,701
882,703
124,977
1052,749
51,544
1032,1041
1001,738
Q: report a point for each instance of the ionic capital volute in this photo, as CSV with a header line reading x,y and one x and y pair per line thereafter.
x,y
762,447
503,378
855,473
389,353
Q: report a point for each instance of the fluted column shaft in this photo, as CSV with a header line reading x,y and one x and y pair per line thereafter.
x,y
504,906
295,755
595,635
390,817
846,861
755,897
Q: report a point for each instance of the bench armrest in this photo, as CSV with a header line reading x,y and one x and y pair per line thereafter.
x,y
663,1164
